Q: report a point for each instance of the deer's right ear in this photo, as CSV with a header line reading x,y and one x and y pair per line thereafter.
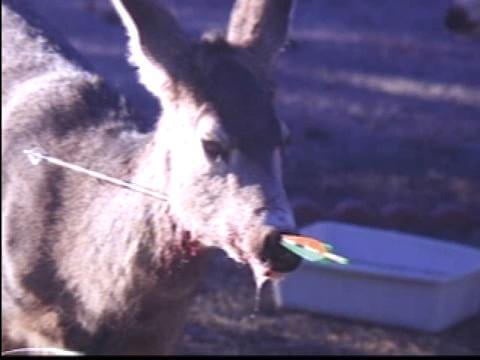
x,y
157,43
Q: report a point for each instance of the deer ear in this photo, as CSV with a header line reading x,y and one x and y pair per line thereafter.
x,y
260,26
157,43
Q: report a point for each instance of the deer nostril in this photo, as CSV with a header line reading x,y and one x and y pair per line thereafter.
x,y
276,256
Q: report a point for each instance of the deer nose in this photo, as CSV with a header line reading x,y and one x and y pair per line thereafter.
x,y
277,258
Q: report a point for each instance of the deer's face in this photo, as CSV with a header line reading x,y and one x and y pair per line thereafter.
x,y
219,128
226,166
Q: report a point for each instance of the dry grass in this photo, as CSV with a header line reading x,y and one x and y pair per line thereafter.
x,y
222,321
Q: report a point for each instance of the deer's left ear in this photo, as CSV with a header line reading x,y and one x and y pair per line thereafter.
x,y
157,43
261,26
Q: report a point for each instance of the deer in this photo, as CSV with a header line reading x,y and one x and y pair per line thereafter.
x,y
99,268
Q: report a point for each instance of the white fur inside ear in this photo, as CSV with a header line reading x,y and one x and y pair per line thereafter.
x,y
150,73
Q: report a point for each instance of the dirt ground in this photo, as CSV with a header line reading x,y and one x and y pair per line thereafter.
x,y
384,108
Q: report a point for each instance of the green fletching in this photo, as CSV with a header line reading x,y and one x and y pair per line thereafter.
x,y
302,252
314,256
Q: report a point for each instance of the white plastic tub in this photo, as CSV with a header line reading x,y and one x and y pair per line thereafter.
x,y
393,278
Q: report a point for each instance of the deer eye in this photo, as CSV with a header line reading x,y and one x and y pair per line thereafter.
x,y
215,150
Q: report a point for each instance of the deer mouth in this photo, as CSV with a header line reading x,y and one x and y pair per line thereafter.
x,y
271,262
274,261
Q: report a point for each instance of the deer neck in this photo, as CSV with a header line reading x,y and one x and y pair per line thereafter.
x,y
154,172
149,257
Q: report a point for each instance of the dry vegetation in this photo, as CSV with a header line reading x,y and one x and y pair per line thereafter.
x,y
223,321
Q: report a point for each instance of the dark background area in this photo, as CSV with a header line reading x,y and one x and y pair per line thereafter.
x,y
384,107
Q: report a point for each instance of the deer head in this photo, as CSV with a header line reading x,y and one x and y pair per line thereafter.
x,y
219,132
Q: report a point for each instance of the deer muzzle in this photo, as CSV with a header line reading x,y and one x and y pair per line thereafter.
x,y
275,257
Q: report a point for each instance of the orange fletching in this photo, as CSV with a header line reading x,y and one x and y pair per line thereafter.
x,y
307,242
